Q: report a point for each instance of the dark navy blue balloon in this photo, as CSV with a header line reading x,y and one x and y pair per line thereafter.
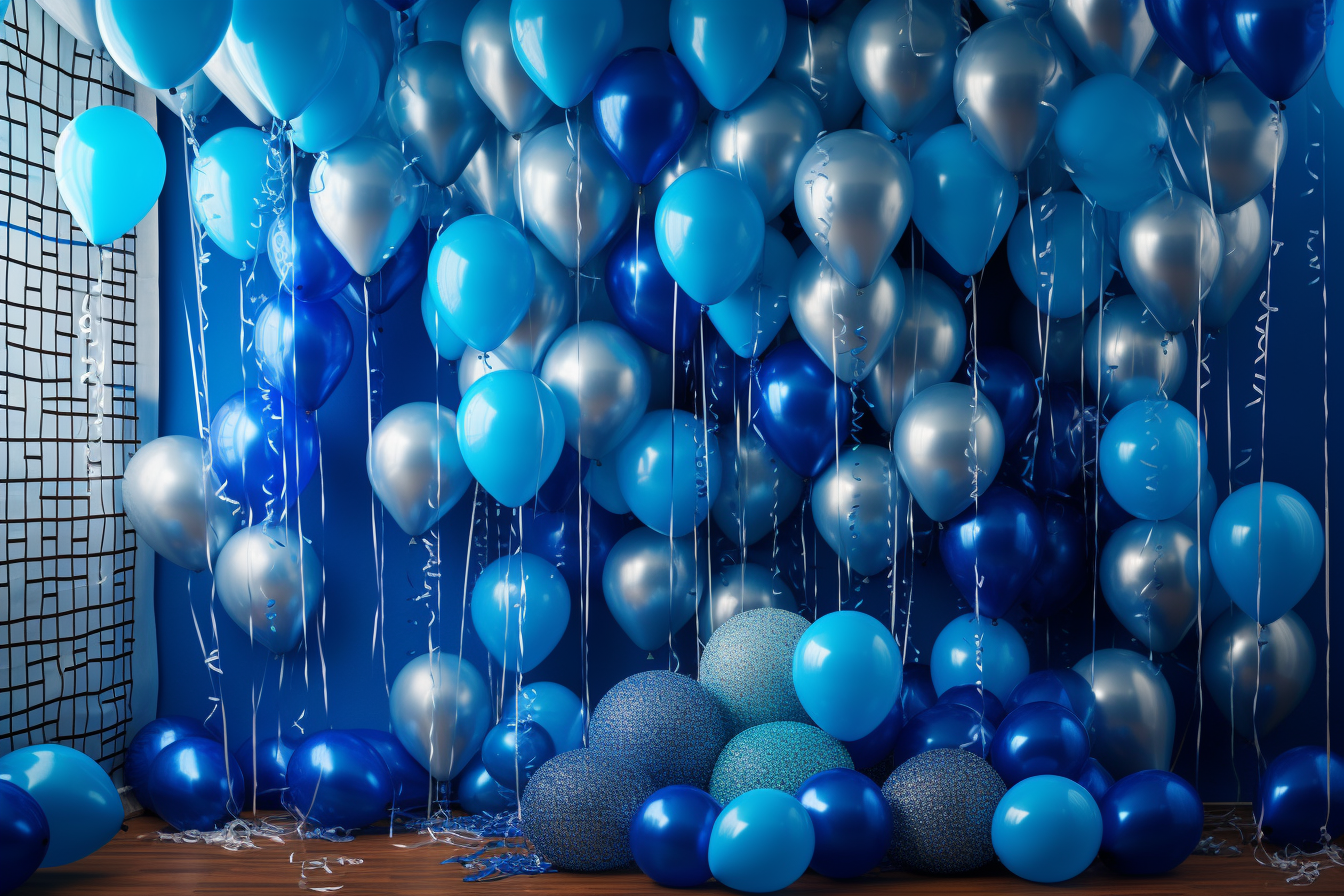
x,y
307,263
402,274
410,781
1192,30
876,745
24,835
1095,779
851,820
1098,505
798,405
1039,739
147,744
1063,568
304,348
554,537
336,780
670,835
917,690
978,699
263,786
559,487
944,725
263,449
1151,821
1276,43
1010,385
195,785
644,295
1052,455
997,542
644,108
1297,792
1063,686
513,750
479,794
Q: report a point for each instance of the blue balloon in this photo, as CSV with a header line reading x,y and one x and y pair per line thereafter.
x,y
196,785
263,768
148,742
644,108
1111,134
1192,30
403,272
555,493
668,470
644,296
964,200
1095,779
1052,456
306,262
604,486
1151,821
761,842
410,781
1046,829
974,650
110,168
480,794
990,549
304,348
851,820
24,836
162,46
798,406
286,52
554,537
1064,566
339,111
553,707
724,378
810,8
1266,575
511,432
978,699
520,591
670,835
1059,254
263,450
80,801
917,691
1039,739
1010,385
513,750
1063,686
336,780
876,745
710,233
751,318
1297,793
728,48
229,190
1151,458
1277,45
944,726
483,278
447,343
564,46
834,655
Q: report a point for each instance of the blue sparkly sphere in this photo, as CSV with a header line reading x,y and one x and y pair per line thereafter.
x,y
748,667
665,723
578,807
777,756
942,807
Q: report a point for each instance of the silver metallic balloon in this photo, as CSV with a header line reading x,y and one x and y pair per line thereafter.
x,y
79,17
1107,36
815,59
269,581
1134,726
366,200
849,328
1166,77
473,365
927,349
758,491
225,75
948,447
1011,77
167,501
435,111
902,54
737,589
192,99
858,505
549,315
415,465
853,194
490,179
763,140
1129,357
694,153
1231,121
494,69
440,709
574,226
1171,250
1052,344
1245,251
1154,576
601,377
652,585
1285,669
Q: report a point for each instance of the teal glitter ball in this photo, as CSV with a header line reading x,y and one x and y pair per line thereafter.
x,y
665,723
777,755
748,667
942,806
577,809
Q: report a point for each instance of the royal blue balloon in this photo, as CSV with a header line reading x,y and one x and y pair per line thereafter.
x,y
263,770
513,750
555,493
304,348
877,744
1039,739
1111,134
148,742
286,52
263,450
798,405
728,48
670,835
162,45
306,262
480,794
917,691
229,178
1192,30
1299,792
1151,458
1151,822
511,431
1047,829
564,46
196,785
837,652
762,842
976,650
1266,575
1010,385
990,549
410,781
24,836
723,377
978,699
554,537
403,273
483,277
1095,779
110,168
1064,566
79,800
710,233
944,726
1052,455
1276,43
644,296
851,820
964,200
644,108
1063,686
669,472
336,780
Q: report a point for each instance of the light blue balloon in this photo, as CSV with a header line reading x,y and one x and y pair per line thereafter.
x,y
483,277
964,200
78,798
1266,569
728,48
553,707
847,672
762,842
1059,254
669,473
228,190
751,318
162,45
511,432
447,343
710,233
973,650
286,52
338,112
110,168
603,484
1047,829
1111,134
1151,457
1198,514
519,608
564,46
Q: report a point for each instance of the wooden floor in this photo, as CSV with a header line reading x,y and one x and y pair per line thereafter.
x,y
134,863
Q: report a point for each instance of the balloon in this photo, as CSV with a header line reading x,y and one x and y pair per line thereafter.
x,y
1063,686
1151,822
601,378
990,550
192,99
645,25
917,691
1134,725
729,49
851,820
440,708
1047,829
415,465
1228,140
551,311
849,328
447,343
1192,30
819,66
875,747
410,783
644,296
480,794
1171,249
195,785
149,741
902,55
337,780
1245,251
1154,577
652,585
1107,36
554,537
1009,384
853,194
644,106
810,8
552,706
555,493
366,200
306,263
963,200
944,726
978,699
670,835
340,109
1283,672
269,581
404,272
669,471
1050,345
751,318
304,348
1039,739
974,650
519,608
737,589
564,47
263,766
24,836
229,192
1095,779
709,233
510,427
573,225
948,444
1111,134
370,19
835,653
1151,457
694,153
1053,453
446,20
1296,792
162,46
77,797
858,506
1266,574
1128,357
602,485
110,168
758,490
287,53
802,406
484,279
79,17
1010,80
1166,77
1064,565
513,750
763,841
493,67
1058,254
224,74
764,140
434,110
1277,45
173,503
263,451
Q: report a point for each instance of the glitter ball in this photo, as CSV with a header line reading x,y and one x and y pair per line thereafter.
x,y
748,667
942,806
777,755
665,723
577,809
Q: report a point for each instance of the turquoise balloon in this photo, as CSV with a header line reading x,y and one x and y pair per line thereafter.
x,y
1111,134
762,842
751,318
286,52
519,608
565,46
1266,568
109,170
710,233
1151,458
1059,254
338,112
728,48
162,45
1047,829
79,799
973,650
669,471
483,277
511,432
847,672
447,343
964,200
228,190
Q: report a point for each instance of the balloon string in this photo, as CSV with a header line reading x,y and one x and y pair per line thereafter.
x,y
1325,431
1042,336
322,558
372,394
975,454
703,484
298,476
